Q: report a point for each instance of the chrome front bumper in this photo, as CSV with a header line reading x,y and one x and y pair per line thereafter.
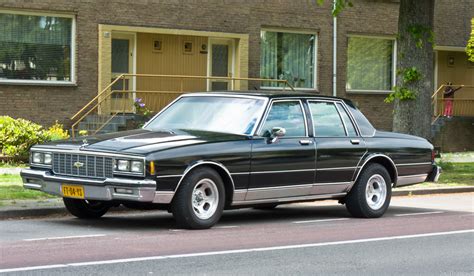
x,y
108,189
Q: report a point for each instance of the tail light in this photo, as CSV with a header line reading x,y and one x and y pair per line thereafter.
x,y
433,155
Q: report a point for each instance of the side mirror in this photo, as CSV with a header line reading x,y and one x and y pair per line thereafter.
x,y
277,132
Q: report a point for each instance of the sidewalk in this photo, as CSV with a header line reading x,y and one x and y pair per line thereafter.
x,y
18,209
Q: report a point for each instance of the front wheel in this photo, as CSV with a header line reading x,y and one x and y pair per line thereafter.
x,y
371,194
199,202
86,209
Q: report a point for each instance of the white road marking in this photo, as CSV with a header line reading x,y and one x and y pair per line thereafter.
x,y
417,214
237,251
319,220
67,237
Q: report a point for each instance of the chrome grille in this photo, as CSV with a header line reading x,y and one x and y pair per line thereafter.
x,y
93,166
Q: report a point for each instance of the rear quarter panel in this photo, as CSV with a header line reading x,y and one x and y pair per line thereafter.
x,y
411,156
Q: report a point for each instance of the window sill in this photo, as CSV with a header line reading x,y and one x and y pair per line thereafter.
x,y
368,92
37,83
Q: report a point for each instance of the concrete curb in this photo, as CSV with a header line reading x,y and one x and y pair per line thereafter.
x,y
10,212
432,191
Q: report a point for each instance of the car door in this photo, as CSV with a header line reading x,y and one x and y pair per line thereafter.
x,y
285,166
339,148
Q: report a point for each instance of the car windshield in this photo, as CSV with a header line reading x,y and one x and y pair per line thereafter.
x,y
211,113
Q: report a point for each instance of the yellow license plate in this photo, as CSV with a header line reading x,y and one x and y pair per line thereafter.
x,y
73,191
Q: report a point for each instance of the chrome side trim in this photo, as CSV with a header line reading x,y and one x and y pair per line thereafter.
x,y
163,197
285,171
288,199
240,173
280,187
200,163
239,195
413,164
301,190
169,176
296,190
411,179
333,183
370,158
336,168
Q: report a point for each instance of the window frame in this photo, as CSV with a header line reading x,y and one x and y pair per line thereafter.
x,y
309,101
394,64
315,56
259,133
73,81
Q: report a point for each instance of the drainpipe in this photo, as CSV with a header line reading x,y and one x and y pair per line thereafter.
x,y
334,52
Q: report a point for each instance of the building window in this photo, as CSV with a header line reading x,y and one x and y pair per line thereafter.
x,y
288,56
370,64
36,48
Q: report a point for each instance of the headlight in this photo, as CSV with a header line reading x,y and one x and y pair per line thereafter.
x,y
41,158
47,158
137,166
123,165
129,166
38,157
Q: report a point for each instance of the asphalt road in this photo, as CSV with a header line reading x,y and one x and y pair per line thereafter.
x,y
418,235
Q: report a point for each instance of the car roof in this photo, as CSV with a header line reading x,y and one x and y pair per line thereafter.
x,y
272,94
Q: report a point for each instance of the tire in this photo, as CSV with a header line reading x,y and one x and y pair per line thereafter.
x,y
371,194
86,209
200,200
269,206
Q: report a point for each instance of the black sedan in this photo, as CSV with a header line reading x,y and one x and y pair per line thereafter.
x,y
206,152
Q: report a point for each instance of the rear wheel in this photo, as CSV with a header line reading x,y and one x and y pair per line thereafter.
x,y
371,194
86,209
199,202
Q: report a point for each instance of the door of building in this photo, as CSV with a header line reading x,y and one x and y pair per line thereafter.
x,y
122,63
220,64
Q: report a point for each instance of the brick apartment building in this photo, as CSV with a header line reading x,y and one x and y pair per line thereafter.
x,y
57,55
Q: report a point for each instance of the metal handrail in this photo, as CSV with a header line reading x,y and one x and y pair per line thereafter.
x,y
105,93
436,99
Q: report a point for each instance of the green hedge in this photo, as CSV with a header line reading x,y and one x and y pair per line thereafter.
x,y
17,136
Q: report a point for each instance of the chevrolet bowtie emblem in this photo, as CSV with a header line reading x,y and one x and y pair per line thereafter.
x,y
78,164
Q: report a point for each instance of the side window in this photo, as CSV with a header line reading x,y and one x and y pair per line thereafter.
x,y
288,115
347,121
326,120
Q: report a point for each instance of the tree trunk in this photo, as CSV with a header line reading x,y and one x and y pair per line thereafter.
x,y
414,116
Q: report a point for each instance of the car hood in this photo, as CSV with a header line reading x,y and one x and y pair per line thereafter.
x,y
142,141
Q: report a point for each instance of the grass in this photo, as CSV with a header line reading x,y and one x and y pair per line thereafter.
x,y
13,165
11,187
457,173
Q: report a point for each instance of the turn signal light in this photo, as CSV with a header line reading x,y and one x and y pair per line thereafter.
x,y
152,168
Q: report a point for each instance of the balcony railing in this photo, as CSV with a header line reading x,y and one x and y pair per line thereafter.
x,y
461,105
156,91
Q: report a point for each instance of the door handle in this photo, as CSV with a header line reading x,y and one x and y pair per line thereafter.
x,y
305,142
355,141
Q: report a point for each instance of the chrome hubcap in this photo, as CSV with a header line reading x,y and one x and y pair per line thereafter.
x,y
205,198
376,191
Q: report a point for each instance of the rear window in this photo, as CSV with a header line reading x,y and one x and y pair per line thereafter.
x,y
365,127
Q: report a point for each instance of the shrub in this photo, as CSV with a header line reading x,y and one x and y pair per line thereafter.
x,y
56,132
17,136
